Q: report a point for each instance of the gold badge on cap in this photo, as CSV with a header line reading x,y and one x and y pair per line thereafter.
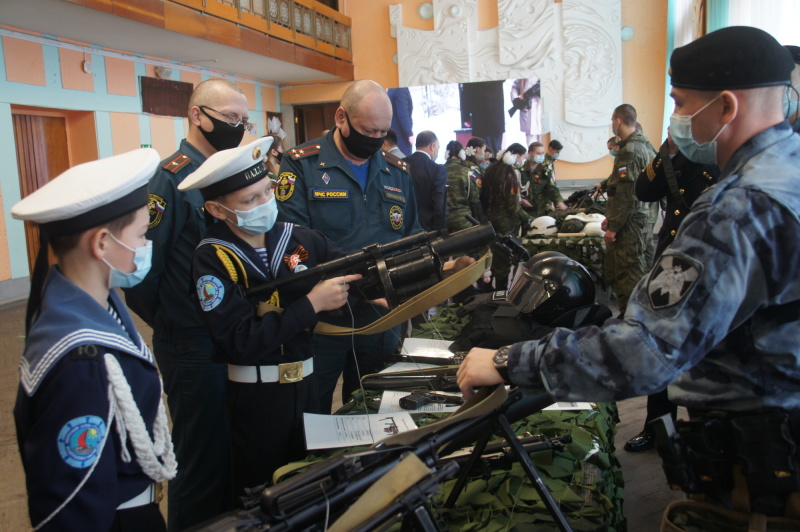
x,y
256,153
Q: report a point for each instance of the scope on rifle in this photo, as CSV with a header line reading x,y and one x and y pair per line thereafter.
x,y
396,271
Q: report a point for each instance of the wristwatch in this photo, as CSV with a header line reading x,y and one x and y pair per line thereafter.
x,y
501,362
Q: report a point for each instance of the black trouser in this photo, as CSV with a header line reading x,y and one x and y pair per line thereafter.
x,y
659,404
147,517
267,427
195,388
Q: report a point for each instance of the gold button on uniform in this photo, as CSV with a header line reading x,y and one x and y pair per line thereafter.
x,y
672,233
677,212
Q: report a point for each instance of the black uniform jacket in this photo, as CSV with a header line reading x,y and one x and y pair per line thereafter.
x,y
224,266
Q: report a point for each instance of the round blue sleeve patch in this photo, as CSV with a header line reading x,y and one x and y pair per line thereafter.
x,y
210,292
80,439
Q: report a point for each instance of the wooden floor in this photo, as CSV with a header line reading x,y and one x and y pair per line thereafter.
x,y
646,493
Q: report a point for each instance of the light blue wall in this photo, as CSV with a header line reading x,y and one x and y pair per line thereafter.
x,y
53,96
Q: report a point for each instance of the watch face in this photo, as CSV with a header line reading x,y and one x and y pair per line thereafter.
x,y
501,357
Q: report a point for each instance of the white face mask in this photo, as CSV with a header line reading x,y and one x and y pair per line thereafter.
x,y
680,127
538,159
258,220
142,259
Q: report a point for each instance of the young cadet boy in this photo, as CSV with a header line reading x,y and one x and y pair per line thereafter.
x,y
91,425
270,364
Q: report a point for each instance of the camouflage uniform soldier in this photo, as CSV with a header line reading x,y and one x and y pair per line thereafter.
x,y
717,319
462,193
626,217
543,190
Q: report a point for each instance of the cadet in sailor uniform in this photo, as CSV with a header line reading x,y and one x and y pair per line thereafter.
x,y
270,365
91,424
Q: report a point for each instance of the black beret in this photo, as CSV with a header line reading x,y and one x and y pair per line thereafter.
x,y
795,51
737,57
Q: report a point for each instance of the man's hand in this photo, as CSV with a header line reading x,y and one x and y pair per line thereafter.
x,y
452,266
610,236
331,293
561,206
477,370
604,224
525,203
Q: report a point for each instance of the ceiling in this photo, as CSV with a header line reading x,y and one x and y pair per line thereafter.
x,y
62,19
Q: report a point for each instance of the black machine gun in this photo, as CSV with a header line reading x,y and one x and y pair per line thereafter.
x,y
329,488
524,102
404,268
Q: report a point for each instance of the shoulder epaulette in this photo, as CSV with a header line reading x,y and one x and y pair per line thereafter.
x,y
395,161
305,151
175,164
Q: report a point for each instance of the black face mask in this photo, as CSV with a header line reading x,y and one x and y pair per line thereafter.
x,y
224,136
359,144
278,155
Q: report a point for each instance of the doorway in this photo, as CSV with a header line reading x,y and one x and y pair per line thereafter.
x,y
48,142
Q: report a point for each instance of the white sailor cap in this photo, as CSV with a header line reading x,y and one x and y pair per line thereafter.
x,y
230,170
91,194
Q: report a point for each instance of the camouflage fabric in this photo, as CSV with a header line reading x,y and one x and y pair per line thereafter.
x,y
507,218
718,315
543,190
462,193
445,325
628,217
585,477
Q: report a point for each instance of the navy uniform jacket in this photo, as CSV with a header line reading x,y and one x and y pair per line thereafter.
x,y
62,408
165,299
430,189
317,189
692,179
720,312
242,337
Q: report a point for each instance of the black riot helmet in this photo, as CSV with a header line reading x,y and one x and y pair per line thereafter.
x,y
550,284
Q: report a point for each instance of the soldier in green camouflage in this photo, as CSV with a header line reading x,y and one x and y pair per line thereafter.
x,y
462,189
626,217
543,191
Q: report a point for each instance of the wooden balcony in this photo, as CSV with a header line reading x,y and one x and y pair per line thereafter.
x,y
303,32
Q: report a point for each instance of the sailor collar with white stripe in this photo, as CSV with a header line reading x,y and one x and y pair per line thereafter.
x,y
70,318
277,240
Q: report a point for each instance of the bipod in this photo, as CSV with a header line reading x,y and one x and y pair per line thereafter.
x,y
515,407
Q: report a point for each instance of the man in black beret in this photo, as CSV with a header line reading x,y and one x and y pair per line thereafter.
x,y
718,318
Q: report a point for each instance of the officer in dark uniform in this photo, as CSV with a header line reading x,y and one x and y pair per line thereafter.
x,y
680,181
271,380
91,425
717,318
165,300
345,186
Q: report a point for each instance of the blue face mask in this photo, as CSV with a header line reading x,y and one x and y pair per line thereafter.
x,y
142,259
612,153
484,165
680,127
258,220
538,159
790,106
555,156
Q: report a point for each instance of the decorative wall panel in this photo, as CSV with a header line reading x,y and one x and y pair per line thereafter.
x,y
573,46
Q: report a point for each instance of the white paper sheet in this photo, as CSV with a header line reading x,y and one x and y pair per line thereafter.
x,y
330,432
423,347
390,403
570,406
406,366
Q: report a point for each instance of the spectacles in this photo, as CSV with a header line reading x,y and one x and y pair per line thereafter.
x,y
233,120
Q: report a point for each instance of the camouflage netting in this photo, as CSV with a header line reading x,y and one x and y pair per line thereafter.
x,y
585,478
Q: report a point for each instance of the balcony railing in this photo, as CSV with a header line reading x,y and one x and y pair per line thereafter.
x,y
303,22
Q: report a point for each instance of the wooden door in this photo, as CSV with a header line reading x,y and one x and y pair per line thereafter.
x,y
42,154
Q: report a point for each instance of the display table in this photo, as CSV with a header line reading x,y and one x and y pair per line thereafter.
x,y
584,477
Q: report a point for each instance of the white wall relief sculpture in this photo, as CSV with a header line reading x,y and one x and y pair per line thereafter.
x,y
574,47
